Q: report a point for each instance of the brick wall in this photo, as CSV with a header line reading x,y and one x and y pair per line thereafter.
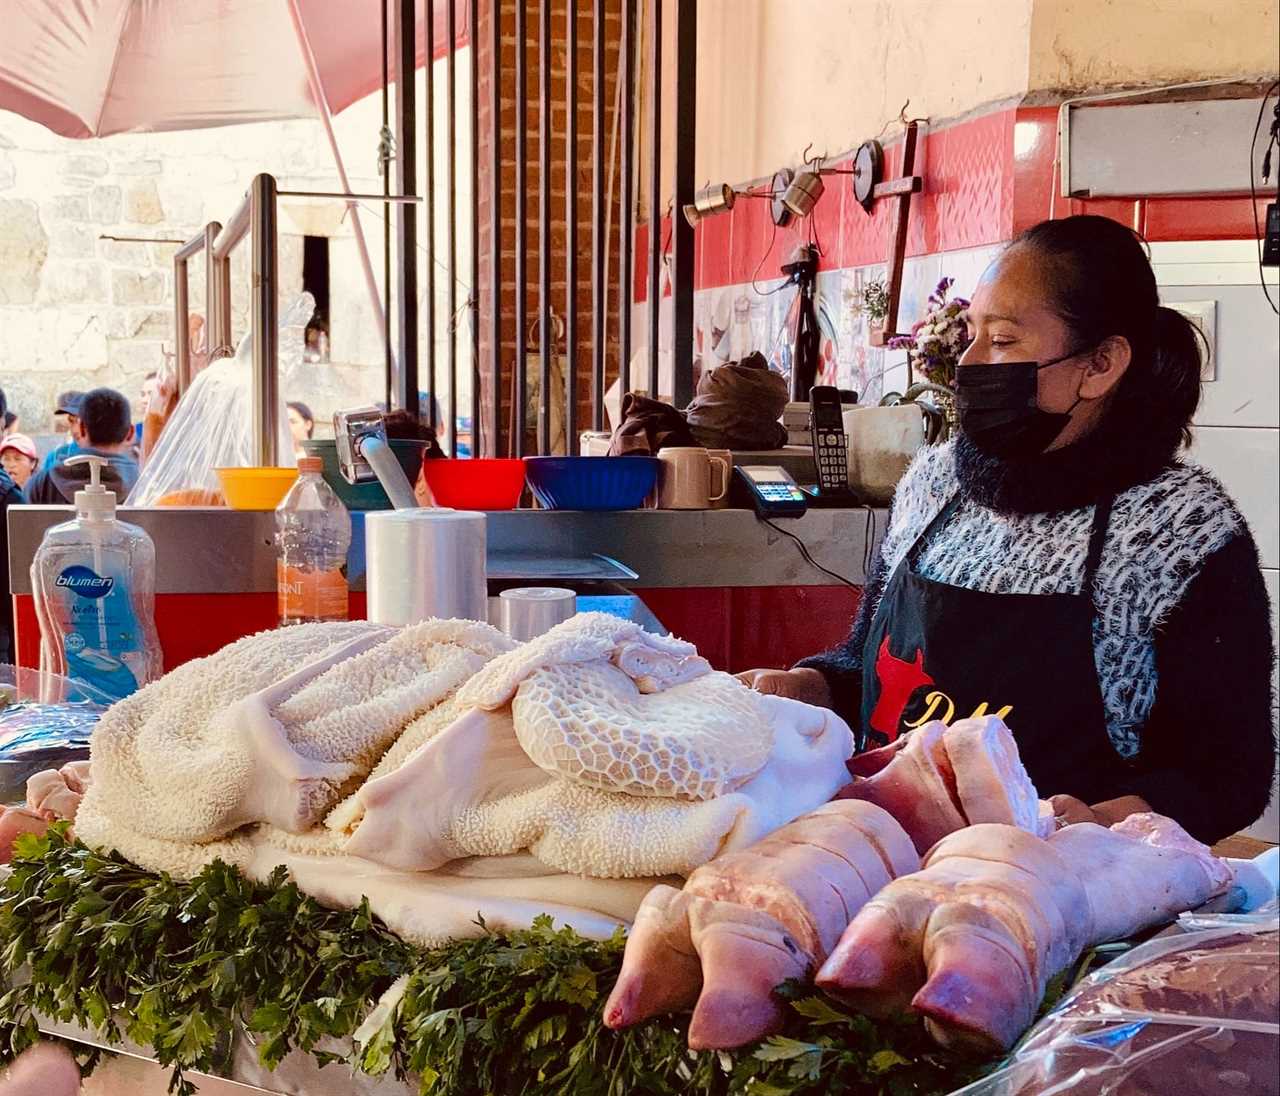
x,y
504,253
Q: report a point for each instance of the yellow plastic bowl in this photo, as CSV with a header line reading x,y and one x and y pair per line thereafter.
x,y
255,488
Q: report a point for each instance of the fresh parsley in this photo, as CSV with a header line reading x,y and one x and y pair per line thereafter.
x,y
184,968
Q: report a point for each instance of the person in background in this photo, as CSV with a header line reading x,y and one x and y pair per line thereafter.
x,y
150,389
407,425
10,495
302,425
11,424
65,416
104,428
19,457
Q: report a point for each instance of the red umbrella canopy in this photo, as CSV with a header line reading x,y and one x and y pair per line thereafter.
x,y
90,68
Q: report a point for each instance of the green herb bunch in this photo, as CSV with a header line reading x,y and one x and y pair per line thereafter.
x,y
185,968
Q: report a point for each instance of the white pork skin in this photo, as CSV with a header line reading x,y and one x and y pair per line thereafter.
x,y
971,941
747,921
940,779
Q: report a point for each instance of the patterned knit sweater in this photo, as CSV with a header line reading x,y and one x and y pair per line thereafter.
x,y
1181,634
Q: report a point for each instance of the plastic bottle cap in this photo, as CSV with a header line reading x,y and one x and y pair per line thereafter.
x,y
93,501
310,464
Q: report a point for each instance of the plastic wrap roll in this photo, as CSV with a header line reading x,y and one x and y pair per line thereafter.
x,y
425,563
531,610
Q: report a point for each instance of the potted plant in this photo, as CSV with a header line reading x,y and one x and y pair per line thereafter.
x,y
936,344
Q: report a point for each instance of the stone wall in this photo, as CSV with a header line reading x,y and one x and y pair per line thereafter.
x,y
79,309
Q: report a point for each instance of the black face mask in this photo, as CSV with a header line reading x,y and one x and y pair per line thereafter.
x,y
998,408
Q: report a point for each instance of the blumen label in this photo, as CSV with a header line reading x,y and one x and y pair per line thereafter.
x,y
85,582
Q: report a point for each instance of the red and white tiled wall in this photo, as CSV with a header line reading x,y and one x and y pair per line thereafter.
x,y
985,179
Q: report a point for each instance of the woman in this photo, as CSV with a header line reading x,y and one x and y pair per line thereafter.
x,y
1058,565
302,424
19,458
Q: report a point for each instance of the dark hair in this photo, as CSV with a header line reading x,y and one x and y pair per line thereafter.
x,y
105,416
304,413
1100,283
4,405
9,417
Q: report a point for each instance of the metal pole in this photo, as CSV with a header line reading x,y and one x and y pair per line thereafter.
x,y
213,301
682,230
181,320
599,244
655,192
626,220
571,232
545,345
404,32
522,226
451,226
495,223
429,297
266,336
474,309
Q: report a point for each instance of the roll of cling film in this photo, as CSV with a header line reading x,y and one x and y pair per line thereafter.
x,y
304,595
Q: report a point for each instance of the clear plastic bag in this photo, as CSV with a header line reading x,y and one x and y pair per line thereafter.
x,y
212,426
45,721
1192,1013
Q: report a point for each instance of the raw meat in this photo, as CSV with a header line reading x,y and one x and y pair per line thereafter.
x,y
56,793
941,779
747,921
971,940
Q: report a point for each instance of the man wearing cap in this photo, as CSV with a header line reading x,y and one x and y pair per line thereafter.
x,y
65,416
103,428
18,457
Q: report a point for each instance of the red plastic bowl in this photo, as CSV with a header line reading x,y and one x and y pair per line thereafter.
x,y
475,484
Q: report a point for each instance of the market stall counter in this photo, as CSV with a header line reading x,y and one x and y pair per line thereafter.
x,y
738,589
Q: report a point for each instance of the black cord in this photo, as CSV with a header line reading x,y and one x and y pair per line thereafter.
x,y
1253,195
804,551
773,237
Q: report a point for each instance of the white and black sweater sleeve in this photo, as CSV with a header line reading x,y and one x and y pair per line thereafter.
x,y
1208,749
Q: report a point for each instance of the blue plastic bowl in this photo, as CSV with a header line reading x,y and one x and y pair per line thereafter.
x,y
591,483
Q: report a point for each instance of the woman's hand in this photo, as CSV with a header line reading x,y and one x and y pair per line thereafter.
x,y
1068,810
805,684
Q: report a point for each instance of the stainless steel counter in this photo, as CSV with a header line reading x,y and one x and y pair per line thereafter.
x,y
225,551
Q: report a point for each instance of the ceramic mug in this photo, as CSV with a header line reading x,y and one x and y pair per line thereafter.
x,y
685,478
726,455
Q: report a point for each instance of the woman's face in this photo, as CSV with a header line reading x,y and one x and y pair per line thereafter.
x,y
1010,321
18,465
298,427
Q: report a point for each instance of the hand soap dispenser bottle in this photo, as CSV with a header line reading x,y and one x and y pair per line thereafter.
x,y
94,580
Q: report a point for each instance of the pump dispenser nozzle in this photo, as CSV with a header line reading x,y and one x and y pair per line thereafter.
x,y
94,502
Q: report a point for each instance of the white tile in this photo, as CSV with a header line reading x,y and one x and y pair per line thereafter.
x,y
1245,390
1247,461
1173,252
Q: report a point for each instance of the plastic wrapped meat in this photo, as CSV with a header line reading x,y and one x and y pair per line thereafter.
x,y
1193,1014
971,941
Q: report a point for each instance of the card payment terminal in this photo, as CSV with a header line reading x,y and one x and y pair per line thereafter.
x,y
773,492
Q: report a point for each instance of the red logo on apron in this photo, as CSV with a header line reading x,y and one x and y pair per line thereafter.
x,y
899,679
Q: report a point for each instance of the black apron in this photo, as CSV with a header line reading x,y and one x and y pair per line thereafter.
x,y
937,651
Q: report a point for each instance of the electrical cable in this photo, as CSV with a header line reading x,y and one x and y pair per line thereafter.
x,y
804,551
773,238
1253,190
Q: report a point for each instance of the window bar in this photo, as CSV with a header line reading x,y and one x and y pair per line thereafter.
x,y
522,229
405,32
686,111
430,295
571,232
451,139
495,223
599,244
626,219
545,332
655,191
474,310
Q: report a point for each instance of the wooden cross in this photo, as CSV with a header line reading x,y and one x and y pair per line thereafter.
x,y
901,188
